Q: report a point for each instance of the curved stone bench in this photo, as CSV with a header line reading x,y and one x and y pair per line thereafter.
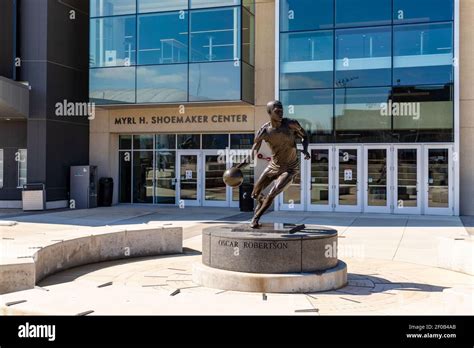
x,y
102,244
456,254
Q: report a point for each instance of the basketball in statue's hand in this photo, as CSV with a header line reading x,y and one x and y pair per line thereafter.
x,y
233,177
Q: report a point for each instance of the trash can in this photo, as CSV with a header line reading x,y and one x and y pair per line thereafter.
x,y
106,192
246,202
33,197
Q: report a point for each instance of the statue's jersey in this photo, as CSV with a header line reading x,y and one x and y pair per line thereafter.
x,y
282,142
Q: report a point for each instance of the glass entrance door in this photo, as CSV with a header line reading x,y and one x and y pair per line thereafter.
x,y
189,178
319,178
407,175
378,174
438,180
348,179
216,193
293,197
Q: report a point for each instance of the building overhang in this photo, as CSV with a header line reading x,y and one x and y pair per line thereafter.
x,y
14,99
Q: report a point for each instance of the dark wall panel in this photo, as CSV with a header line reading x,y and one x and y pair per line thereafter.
x,y
7,42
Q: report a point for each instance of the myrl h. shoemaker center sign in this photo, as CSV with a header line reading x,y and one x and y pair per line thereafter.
x,y
196,119
127,120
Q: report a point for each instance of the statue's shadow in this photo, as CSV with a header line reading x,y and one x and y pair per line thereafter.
x,y
366,285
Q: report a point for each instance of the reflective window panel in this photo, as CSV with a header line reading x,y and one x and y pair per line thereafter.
x,y
377,177
241,141
312,108
163,38
125,177
99,8
306,60
364,57
161,5
165,141
143,142
348,162
214,81
125,142
407,178
189,141
113,41
189,183
423,54
362,13
410,11
162,83
298,15
213,3
438,178
112,85
248,37
215,141
214,187
215,34
165,175
320,177
143,177
360,109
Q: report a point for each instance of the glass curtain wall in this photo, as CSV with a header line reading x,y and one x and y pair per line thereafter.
x,y
369,70
147,51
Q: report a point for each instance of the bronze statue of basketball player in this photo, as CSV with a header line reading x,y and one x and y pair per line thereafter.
x,y
281,135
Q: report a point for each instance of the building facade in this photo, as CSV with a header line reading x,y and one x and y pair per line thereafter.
x,y
381,86
43,61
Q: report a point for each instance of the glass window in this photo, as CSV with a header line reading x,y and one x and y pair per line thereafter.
x,y
215,141
22,167
162,83
350,13
113,41
364,57
112,85
1,168
307,60
101,8
409,11
215,35
214,81
165,187
143,177
360,109
312,108
423,54
189,141
213,3
423,107
125,179
143,142
125,142
248,37
163,38
241,141
306,14
165,141
161,5
248,83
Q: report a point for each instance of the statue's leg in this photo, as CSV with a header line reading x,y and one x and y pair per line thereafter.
x,y
281,184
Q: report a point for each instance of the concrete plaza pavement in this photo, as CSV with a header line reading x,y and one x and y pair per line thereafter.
x,y
393,266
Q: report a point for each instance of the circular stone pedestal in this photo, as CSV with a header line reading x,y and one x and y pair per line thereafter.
x,y
281,258
274,248
330,279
